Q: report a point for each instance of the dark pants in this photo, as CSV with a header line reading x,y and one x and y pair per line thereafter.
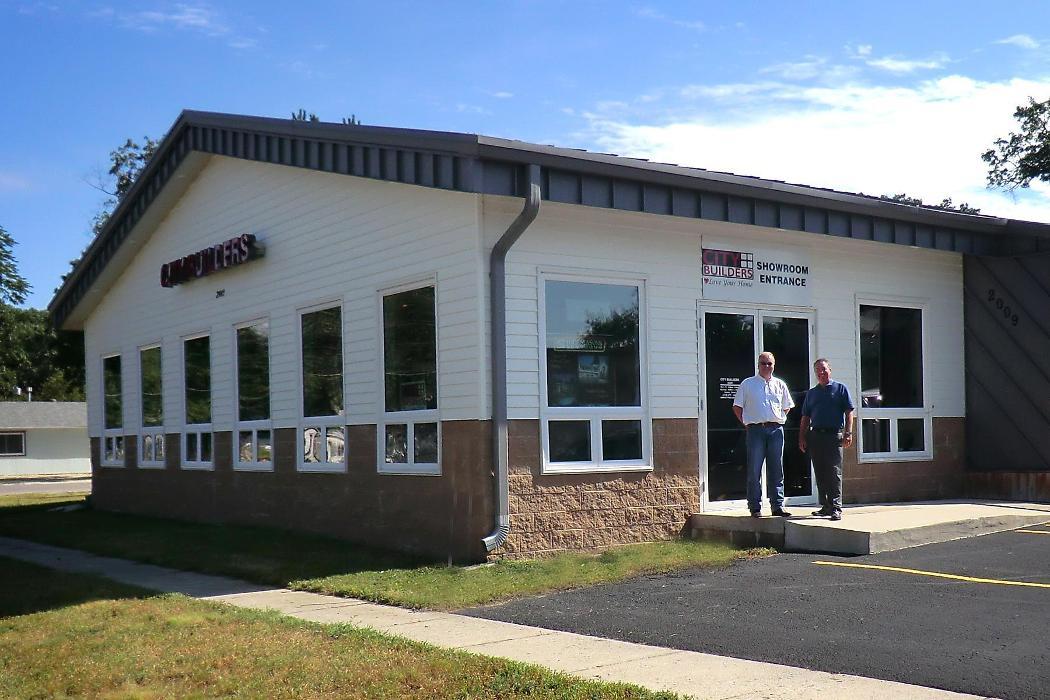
x,y
825,449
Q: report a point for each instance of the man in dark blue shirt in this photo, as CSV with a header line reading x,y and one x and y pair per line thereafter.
x,y
827,426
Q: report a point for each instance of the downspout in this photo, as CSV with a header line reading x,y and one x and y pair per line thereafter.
x,y
498,342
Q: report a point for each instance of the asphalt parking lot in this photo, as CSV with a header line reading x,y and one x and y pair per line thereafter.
x,y
974,631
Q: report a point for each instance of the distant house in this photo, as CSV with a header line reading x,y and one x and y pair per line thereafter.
x,y
45,437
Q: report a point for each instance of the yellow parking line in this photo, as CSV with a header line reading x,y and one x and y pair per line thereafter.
x,y
1035,532
935,574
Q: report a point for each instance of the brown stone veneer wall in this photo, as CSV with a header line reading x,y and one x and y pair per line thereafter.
x,y
943,477
551,513
438,516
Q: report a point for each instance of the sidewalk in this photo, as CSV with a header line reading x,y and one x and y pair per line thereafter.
x,y
689,673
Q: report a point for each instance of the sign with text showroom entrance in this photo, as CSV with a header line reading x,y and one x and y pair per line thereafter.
x,y
758,274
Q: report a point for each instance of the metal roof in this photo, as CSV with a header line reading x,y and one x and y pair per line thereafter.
x,y
22,415
487,165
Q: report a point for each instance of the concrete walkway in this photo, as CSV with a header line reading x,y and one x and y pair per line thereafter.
x,y
686,672
869,529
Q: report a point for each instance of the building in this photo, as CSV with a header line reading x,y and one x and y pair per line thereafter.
x,y
290,323
44,438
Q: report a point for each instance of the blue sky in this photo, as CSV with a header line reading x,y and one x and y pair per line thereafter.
x,y
890,97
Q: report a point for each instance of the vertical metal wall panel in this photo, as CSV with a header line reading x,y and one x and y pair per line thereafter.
x,y
838,224
446,177
596,191
498,178
740,211
791,218
714,206
815,220
766,214
861,227
656,199
685,203
627,195
563,187
425,170
923,236
1007,337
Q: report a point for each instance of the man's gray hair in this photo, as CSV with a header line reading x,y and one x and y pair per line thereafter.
x,y
817,362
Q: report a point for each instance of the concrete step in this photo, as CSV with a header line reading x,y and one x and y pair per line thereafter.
x,y
869,529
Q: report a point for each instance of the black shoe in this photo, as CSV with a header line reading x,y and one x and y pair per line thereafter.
x,y
756,514
822,513
836,516
781,513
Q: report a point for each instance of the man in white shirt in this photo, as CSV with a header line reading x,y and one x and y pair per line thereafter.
x,y
762,403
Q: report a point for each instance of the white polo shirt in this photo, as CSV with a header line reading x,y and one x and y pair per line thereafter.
x,y
762,401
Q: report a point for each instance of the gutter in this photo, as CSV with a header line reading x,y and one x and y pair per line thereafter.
x,y
498,343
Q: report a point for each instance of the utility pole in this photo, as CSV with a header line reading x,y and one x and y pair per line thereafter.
x,y
29,393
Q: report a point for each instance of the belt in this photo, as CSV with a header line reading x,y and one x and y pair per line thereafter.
x,y
767,424
826,430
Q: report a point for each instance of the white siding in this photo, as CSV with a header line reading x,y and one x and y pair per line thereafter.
x,y
51,451
665,252
328,238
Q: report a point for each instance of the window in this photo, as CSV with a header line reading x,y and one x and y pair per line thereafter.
x,y
322,430
894,420
594,416
112,413
197,436
12,444
410,435
151,435
254,446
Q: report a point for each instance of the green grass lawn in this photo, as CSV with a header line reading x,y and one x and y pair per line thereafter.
x,y
327,565
67,635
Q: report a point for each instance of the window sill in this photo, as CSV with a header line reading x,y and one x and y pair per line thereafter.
x,y
570,468
111,465
321,468
253,466
198,466
409,469
151,465
876,458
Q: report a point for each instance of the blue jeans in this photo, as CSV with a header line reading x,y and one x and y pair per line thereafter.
x,y
765,444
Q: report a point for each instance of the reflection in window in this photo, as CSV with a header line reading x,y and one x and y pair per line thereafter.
x,y
425,440
592,344
570,440
197,374
621,439
397,444
253,372
254,446
876,435
911,435
410,351
152,400
322,338
112,406
890,357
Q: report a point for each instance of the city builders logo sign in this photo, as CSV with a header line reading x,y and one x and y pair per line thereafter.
x,y
732,272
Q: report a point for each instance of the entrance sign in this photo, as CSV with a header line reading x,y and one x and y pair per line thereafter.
x,y
735,272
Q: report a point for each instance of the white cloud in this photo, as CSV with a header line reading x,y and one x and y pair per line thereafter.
x,y
464,108
502,95
12,182
654,14
198,18
1022,41
925,140
902,65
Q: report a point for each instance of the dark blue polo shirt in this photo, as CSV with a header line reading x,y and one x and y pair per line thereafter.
x,y
827,406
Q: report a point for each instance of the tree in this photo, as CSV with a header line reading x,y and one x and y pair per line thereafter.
x,y
946,203
13,287
303,116
126,163
1023,156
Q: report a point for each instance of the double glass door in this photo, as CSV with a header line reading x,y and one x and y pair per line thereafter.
x,y
731,341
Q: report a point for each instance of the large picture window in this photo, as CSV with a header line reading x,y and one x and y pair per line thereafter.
x,y
594,415
197,437
254,446
112,412
410,437
894,422
322,431
151,435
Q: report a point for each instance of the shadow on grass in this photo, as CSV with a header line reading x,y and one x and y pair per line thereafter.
x,y
257,554
28,588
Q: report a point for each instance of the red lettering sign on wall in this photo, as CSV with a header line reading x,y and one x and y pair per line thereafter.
x,y
220,256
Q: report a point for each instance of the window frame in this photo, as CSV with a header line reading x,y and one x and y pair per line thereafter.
x,y
305,422
25,447
411,418
254,426
155,430
893,415
112,439
595,414
198,429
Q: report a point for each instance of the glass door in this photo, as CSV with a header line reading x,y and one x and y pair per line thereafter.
x,y
730,342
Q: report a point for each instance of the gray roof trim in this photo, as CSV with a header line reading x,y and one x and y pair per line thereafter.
x,y
24,415
487,165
